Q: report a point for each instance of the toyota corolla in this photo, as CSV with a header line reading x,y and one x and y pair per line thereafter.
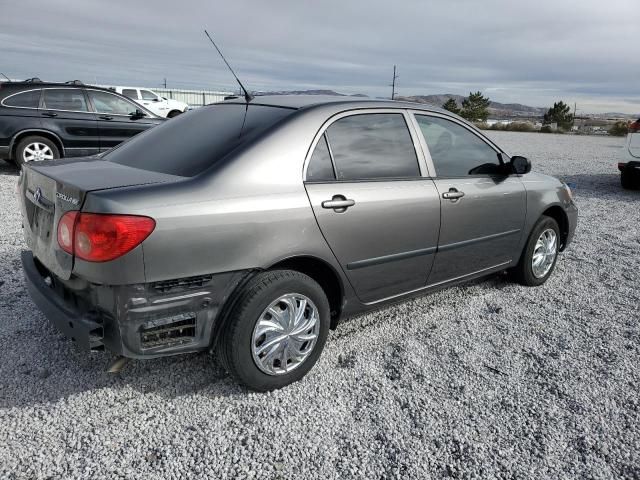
x,y
254,227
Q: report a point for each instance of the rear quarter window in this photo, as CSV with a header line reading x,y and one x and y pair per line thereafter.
x,y
194,141
30,99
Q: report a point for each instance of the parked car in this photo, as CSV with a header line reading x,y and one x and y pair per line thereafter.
x,y
161,106
256,227
45,121
629,165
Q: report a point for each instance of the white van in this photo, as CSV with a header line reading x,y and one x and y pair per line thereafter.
x,y
163,107
629,164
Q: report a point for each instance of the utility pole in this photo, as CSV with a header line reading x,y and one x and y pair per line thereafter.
x,y
165,82
393,84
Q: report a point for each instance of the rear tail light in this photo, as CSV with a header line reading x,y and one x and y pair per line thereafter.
x,y
635,127
98,237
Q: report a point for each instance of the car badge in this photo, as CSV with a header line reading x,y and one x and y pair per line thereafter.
x,y
37,196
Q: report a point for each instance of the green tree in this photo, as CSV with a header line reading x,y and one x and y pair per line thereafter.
x,y
619,129
560,114
475,107
452,106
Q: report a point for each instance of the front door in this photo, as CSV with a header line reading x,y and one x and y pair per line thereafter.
x,y
483,207
117,121
66,113
153,102
378,213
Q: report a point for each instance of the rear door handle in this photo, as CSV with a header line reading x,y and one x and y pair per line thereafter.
x,y
49,114
106,117
339,203
453,194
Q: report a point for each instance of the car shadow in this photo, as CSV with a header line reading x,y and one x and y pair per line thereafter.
x,y
603,185
60,372
8,168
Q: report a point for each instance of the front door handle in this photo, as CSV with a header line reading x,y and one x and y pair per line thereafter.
x,y
106,117
49,114
339,203
453,194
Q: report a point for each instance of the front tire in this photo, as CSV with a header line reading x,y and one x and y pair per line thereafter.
x,y
276,330
540,254
173,113
35,149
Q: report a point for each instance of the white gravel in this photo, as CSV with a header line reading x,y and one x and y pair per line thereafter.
x,y
488,380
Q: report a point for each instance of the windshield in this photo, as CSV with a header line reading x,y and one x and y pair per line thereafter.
x,y
192,142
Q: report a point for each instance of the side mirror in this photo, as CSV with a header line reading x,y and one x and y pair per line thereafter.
x,y
520,165
138,114
156,99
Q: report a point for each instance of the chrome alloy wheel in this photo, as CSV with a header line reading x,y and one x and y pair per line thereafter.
x,y
544,253
285,334
37,151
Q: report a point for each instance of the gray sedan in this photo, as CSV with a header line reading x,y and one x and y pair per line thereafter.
x,y
255,227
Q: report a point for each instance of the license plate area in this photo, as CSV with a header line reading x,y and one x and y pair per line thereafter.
x,y
42,224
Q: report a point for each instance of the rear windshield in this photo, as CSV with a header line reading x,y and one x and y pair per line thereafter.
x,y
192,142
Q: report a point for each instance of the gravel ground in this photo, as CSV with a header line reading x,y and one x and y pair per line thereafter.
x,y
487,380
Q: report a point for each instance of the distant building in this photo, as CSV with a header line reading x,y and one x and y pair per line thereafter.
x,y
490,122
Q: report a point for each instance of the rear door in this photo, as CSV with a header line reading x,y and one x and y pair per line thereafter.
x,y
483,208
18,112
374,202
65,112
116,117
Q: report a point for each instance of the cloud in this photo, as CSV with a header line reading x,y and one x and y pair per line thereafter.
x,y
527,52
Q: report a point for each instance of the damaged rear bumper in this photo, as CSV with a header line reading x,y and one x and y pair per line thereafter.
x,y
135,321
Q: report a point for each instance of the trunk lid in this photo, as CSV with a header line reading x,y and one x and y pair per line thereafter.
x,y
48,190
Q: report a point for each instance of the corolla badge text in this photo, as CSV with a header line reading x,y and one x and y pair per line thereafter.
x,y
67,198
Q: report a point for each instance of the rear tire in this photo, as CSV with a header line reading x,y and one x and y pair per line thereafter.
x,y
531,271
253,345
34,149
628,180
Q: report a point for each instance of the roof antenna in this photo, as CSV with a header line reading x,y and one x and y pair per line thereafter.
x,y
247,96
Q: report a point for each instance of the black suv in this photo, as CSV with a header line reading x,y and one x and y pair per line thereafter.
x,y
43,121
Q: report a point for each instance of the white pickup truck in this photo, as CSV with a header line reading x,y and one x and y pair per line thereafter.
x,y
161,106
629,164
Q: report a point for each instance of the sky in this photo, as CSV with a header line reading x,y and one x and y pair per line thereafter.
x,y
532,53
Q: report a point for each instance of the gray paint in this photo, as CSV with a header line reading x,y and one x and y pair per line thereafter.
x,y
255,210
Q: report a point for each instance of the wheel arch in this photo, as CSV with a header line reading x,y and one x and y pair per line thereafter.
x,y
15,140
323,273
559,215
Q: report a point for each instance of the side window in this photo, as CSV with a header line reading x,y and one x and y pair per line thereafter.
x,y
147,95
30,99
71,99
375,145
320,167
130,92
455,151
109,103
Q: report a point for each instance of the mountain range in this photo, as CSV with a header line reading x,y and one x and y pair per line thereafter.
x,y
496,109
